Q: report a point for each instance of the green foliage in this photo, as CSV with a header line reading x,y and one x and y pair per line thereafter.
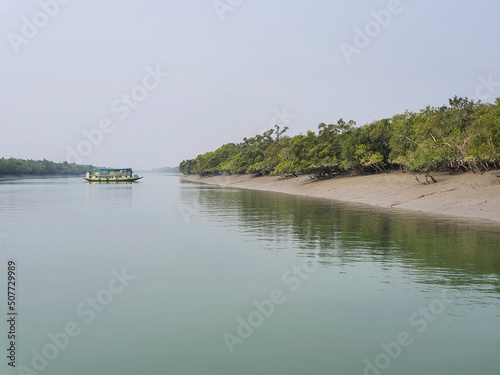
x,y
465,135
14,166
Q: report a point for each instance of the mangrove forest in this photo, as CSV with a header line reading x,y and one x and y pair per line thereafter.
x,y
20,167
461,136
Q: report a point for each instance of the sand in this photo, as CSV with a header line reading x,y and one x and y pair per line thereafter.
x,y
467,195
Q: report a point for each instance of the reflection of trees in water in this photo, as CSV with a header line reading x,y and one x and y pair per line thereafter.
x,y
442,250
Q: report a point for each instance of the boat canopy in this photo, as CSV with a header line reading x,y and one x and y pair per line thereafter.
x,y
111,169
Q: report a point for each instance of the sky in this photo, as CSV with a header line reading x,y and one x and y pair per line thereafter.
x,y
146,84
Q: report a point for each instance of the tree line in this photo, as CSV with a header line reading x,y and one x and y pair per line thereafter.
x,y
464,135
13,166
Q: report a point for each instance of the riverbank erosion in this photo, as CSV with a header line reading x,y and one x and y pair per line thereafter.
x,y
467,195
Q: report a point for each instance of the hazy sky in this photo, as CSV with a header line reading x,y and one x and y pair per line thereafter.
x,y
149,83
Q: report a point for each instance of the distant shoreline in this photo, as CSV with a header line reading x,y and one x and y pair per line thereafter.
x,y
466,195
25,176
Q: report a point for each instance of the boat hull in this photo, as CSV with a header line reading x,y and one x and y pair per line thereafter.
x,y
112,179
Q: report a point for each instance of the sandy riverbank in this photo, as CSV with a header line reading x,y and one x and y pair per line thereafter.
x,y
468,195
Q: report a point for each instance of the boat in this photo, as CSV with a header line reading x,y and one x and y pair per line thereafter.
x,y
111,175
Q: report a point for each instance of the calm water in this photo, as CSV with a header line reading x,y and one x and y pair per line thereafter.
x,y
226,281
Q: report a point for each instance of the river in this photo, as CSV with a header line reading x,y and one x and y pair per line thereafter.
x,y
171,277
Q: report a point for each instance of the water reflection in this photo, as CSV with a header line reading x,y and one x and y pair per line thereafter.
x,y
118,195
111,182
36,197
431,249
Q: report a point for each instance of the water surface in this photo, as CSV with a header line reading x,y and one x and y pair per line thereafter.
x,y
347,281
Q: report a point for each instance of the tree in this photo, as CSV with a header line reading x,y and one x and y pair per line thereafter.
x,y
463,135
